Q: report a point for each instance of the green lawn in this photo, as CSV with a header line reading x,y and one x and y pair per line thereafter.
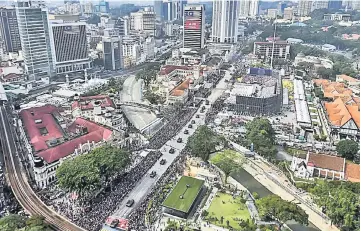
x,y
295,151
232,208
189,194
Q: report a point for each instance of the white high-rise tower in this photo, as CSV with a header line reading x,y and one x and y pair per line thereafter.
x,y
225,21
35,38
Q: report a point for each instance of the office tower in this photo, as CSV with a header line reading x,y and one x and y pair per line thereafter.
x,y
244,8
158,9
102,7
193,26
272,13
281,7
167,10
35,40
9,29
253,8
70,46
177,9
355,5
304,7
225,21
319,4
122,25
335,4
112,52
88,8
288,13
143,20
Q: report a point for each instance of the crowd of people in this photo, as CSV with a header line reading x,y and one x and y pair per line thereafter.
x,y
168,131
150,209
91,214
216,107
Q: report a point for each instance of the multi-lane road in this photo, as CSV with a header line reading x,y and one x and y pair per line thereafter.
x,y
16,176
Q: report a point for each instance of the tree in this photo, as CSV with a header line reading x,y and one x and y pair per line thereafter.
x,y
273,207
12,222
203,142
204,213
261,134
325,73
86,172
347,149
37,223
228,161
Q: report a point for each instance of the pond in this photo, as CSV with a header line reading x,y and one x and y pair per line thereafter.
x,y
248,181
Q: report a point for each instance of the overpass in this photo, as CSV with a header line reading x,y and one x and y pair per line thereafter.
x,y
139,105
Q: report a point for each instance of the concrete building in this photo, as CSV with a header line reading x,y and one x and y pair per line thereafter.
x,y
254,8
225,21
258,93
9,29
102,7
264,49
272,13
122,25
334,4
319,4
193,26
148,48
143,21
158,9
35,38
337,17
70,46
304,8
288,13
88,8
112,52
131,51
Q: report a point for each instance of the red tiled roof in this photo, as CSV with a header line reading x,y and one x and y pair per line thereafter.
x,y
104,99
165,70
179,90
326,161
46,113
95,133
11,76
352,172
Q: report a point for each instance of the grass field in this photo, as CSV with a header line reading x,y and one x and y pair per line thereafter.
x,y
189,194
232,208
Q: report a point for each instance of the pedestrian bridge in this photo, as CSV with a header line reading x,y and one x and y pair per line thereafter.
x,y
140,105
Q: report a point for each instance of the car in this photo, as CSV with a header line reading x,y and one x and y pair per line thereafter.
x,y
171,151
186,132
129,203
162,162
179,140
193,122
153,174
190,126
114,223
197,116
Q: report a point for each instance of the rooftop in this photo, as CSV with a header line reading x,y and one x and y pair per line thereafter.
x,y
340,113
87,103
188,194
352,172
179,90
326,162
167,69
51,140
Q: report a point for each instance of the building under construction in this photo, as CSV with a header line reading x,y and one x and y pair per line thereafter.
x,y
257,93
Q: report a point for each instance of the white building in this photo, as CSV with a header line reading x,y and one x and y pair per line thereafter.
x,y
35,38
248,8
143,21
88,8
225,21
272,13
131,51
193,26
148,48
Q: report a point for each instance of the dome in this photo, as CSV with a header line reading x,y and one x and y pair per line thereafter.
x,y
300,55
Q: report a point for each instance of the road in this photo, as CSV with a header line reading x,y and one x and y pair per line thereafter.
x,y
146,183
18,180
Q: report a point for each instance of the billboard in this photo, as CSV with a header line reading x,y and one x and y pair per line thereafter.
x,y
192,25
192,15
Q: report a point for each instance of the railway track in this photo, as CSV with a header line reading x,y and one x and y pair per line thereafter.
x,y
19,184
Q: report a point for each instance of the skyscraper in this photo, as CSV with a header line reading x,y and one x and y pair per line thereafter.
x,y
158,9
304,7
244,8
225,21
70,47
335,4
35,39
193,26
9,29
253,8
112,53
319,4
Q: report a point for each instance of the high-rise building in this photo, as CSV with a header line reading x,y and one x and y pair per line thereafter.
x,y
158,9
88,8
272,13
281,8
254,8
122,25
304,7
102,7
143,20
9,29
335,4
193,26
112,53
177,9
167,10
244,8
70,46
288,13
225,21
319,4
35,38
